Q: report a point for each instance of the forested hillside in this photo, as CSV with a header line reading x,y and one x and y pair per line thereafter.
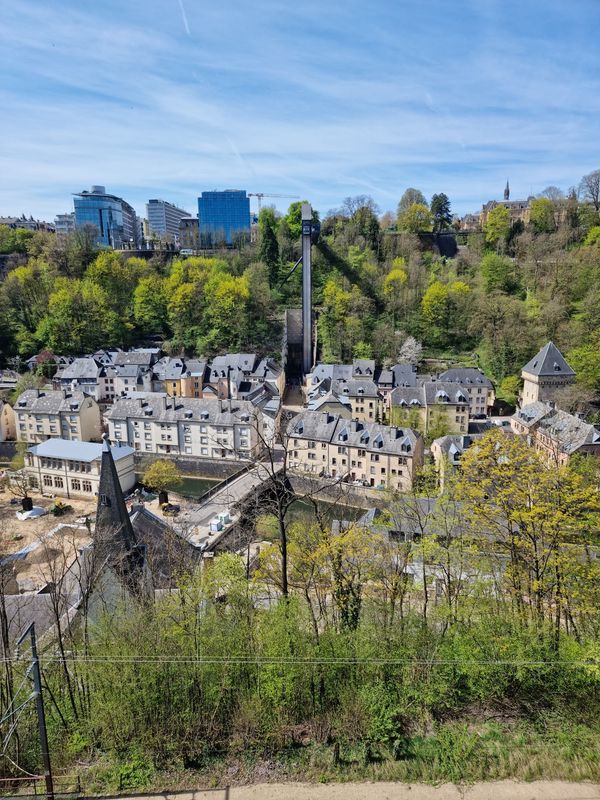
x,y
377,281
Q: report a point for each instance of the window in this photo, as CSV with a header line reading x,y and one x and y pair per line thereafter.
x,y
47,480
204,451
187,449
58,482
86,486
76,485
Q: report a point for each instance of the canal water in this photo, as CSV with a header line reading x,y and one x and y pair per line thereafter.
x,y
192,486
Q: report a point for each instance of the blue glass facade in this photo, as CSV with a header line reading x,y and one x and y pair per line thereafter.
x,y
115,219
223,216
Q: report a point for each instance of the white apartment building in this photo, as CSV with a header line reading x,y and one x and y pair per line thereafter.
x,y
56,414
72,469
326,444
189,426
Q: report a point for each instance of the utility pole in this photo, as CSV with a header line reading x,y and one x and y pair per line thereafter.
x,y
39,702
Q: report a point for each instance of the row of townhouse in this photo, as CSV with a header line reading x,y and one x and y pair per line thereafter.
x,y
362,391
194,427
325,444
107,375
555,434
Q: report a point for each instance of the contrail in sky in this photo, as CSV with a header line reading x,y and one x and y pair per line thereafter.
x,y
184,18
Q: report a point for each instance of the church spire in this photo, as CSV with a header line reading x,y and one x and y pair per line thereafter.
x,y
507,191
114,531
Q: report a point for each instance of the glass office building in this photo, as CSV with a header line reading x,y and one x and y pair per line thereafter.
x,y
115,219
223,217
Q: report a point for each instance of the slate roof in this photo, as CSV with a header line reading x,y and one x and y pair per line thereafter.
x,y
82,369
549,361
568,431
428,393
166,551
222,366
467,376
320,400
76,451
328,427
363,368
142,358
355,388
51,402
332,371
404,375
454,445
172,409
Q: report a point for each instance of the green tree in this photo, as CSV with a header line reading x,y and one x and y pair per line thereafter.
x,y
498,273
268,246
150,305
497,226
161,476
416,219
585,360
440,212
410,198
541,215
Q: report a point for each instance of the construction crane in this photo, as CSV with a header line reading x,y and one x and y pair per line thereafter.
x,y
260,196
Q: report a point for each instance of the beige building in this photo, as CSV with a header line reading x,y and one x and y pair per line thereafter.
x,y
205,429
42,415
555,434
328,445
431,405
478,387
545,374
8,428
72,469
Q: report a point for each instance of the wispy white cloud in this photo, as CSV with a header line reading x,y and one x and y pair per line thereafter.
x,y
322,102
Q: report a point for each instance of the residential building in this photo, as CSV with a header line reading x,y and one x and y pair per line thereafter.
x,y
479,388
362,395
8,428
28,223
114,218
431,405
164,219
325,444
447,452
223,216
57,414
72,469
180,377
545,374
195,427
235,374
555,434
64,224
89,376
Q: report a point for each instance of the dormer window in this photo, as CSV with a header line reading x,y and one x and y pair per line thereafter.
x,y
556,367
361,390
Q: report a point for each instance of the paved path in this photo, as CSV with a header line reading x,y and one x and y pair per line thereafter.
x,y
499,790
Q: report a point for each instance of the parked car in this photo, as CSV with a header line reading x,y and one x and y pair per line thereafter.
x,y
170,509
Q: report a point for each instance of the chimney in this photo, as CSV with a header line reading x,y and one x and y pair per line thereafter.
x,y
552,404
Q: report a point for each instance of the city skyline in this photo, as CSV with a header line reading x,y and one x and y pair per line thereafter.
x,y
168,100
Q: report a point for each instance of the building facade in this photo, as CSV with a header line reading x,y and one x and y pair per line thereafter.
x,y
114,218
223,217
64,223
72,469
56,415
327,445
164,219
205,429
555,434
431,406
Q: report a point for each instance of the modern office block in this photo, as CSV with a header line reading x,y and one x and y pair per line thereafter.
x,y
164,218
114,218
223,216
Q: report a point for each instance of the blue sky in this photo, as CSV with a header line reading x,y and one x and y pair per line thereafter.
x,y
165,98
